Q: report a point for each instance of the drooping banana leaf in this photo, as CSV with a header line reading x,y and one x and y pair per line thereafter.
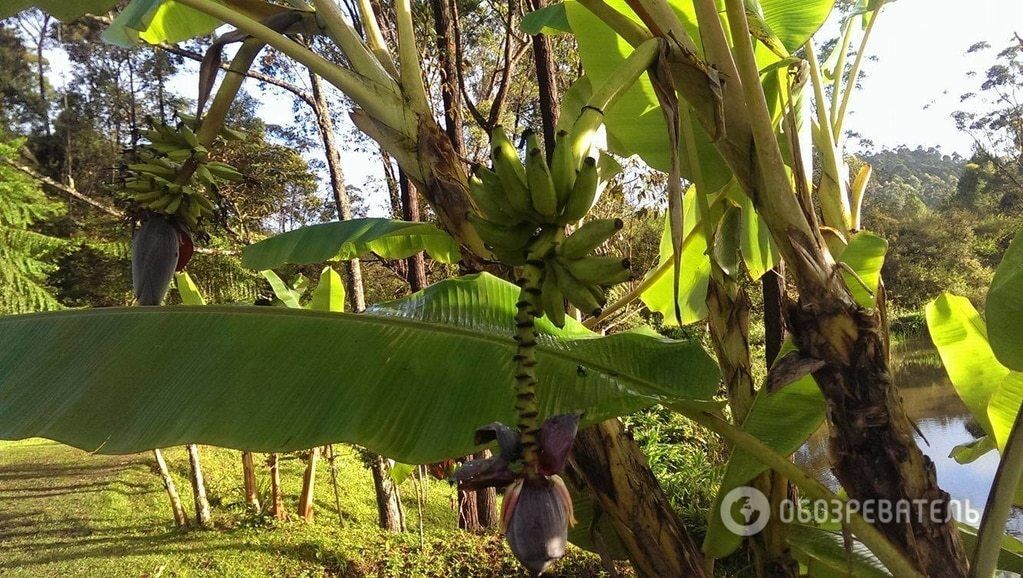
x,y
825,553
783,420
694,276
63,10
960,334
158,21
1005,307
340,240
410,379
550,20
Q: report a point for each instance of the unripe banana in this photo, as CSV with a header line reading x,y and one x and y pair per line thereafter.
x,y
552,299
224,171
160,204
563,168
510,239
599,270
510,171
188,135
174,204
588,237
576,292
598,293
488,200
147,197
203,202
584,192
538,176
152,169
193,210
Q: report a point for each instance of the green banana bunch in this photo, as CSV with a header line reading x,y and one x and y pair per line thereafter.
x,y
522,209
516,199
173,174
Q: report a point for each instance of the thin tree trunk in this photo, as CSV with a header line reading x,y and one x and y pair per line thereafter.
x,y
331,457
410,212
445,20
389,510
305,500
180,519
773,285
616,472
249,477
276,497
40,62
342,201
202,505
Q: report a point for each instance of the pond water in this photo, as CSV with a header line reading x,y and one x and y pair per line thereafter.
x,y
944,421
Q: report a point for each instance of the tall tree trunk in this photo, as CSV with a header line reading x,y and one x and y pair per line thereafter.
x,y
547,83
202,505
389,510
40,73
305,500
276,495
180,519
249,478
342,202
486,500
616,472
471,505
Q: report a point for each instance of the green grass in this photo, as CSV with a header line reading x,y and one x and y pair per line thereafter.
x,y
66,513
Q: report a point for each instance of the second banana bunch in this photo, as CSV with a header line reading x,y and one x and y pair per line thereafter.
x,y
523,209
172,174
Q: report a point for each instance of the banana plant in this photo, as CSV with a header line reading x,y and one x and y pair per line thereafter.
x,y
736,135
985,364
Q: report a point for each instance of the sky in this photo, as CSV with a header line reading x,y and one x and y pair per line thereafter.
x,y
907,96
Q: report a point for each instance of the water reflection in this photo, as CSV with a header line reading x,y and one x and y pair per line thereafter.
x,y
943,420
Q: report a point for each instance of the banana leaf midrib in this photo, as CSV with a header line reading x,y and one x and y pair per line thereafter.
x,y
393,320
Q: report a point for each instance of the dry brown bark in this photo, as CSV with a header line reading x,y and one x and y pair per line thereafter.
x,y
305,500
276,496
249,479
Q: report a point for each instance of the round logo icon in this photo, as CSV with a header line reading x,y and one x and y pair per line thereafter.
x,y
745,511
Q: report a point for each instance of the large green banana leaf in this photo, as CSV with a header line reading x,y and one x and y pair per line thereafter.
x,y
410,379
339,240
1005,307
960,334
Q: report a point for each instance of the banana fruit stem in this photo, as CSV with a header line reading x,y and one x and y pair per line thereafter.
x,y
525,365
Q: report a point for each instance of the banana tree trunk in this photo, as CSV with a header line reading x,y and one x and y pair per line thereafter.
x,y
305,500
616,472
202,505
728,308
180,519
249,478
873,453
389,509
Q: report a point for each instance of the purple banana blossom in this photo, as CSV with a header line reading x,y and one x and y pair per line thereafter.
x,y
156,252
537,510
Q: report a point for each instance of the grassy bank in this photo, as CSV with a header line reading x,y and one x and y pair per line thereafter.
x,y
67,513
